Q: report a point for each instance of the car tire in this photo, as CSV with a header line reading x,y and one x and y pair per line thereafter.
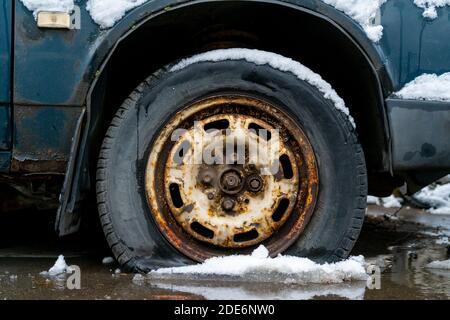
x,y
131,229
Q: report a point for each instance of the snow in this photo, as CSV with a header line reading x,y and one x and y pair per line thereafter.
x,y
443,241
364,12
430,7
107,260
107,12
59,267
438,197
388,202
392,202
373,200
439,265
48,5
427,87
260,266
276,61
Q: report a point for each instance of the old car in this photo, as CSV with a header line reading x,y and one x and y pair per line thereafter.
x,y
93,92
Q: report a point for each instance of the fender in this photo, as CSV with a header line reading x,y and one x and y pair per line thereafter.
x,y
105,45
81,56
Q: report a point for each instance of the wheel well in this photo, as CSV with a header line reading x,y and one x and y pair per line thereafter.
x,y
315,42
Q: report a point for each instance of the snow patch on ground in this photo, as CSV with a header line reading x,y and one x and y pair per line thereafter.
x,y
296,270
439,265
438,197
364,12
443,241
48,5
276,61
430,7
59,267
107,260
427,87
388,202
107,12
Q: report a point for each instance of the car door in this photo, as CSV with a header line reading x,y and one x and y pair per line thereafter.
x,y
5,84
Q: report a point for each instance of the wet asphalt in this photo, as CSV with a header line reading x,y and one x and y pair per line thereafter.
x,y
401,242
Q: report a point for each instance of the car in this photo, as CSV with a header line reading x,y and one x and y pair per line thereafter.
x,y
116,100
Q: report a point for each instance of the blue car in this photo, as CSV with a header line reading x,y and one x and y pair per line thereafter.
x,y
206,128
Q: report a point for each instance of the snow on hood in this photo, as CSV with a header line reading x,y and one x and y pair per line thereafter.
x,y
260,267
427,87
364,12
276,61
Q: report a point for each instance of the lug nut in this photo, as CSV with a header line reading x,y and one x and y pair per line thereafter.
x,y
210,196
255,183
228,204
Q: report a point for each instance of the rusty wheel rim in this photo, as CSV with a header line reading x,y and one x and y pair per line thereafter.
x,y
214,207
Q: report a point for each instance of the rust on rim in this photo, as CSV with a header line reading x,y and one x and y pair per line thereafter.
x,y
241,193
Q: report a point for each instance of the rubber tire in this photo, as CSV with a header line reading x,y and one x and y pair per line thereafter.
x,y
130,230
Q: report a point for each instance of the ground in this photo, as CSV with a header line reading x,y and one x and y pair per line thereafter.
x,y
400,241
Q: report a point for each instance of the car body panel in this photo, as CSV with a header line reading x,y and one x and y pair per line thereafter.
x,y
411,44
43,136
5,75
56,70
427,144
58,67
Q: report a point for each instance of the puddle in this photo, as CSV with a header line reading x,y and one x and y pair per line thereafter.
x,y
400,247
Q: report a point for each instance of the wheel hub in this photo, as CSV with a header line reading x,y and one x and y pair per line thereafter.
x,y
230,181
204,208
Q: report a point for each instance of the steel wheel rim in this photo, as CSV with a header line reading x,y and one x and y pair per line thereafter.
x,y
201,225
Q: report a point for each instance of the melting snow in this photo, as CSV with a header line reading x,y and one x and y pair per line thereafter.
x,y
107,260
261,267
439,265
427,87
443,241
438,197
107,12
388,202
276,61
59,267
364,12
430,7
